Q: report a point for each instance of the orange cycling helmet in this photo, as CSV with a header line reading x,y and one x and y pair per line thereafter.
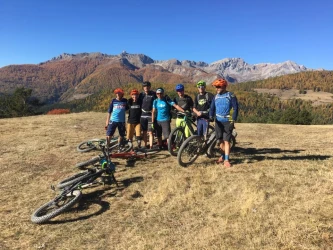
x,y
134,92
220,83
118,91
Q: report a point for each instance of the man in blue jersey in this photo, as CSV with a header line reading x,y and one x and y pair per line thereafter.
x,y
116,116
220,108
162,107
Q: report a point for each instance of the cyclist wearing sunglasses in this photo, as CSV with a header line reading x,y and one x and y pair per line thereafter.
x,y
220,109
201,107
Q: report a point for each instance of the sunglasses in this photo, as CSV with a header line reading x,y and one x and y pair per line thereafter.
x,y
159,93
201,87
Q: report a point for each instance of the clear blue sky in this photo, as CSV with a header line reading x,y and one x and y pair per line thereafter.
x,y
33,31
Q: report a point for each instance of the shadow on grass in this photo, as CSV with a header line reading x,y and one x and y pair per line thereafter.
x,y
95,198
259,154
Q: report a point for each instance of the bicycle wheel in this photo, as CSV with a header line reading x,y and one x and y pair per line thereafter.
x,y
189,151
176,138
77,177
92,161
87,146
125,147
214,149
55,207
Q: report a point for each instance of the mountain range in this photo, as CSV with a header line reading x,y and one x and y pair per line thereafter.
x,y
74,76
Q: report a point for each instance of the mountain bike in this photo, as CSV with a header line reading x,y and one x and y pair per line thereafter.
x,y
71,189
177,135
194,146
130,156
93,144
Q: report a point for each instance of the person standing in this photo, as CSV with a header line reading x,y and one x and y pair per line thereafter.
x,y
161,108
134,115
147,98
220,109
201,108
186,103
116,116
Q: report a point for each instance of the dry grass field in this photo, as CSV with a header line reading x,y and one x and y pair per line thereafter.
x,y
317,98
278,195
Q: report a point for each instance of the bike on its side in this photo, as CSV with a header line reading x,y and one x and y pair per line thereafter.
x,y
97,144
70,189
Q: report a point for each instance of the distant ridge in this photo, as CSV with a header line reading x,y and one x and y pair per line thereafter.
x,y
71,76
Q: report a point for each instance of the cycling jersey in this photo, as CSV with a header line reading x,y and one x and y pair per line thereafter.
x,y
147,102
222,105
118,109
202,103
163,107
134,112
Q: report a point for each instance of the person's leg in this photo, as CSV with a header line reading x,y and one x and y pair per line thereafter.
x,y
158,128
151,132
144,128
227,131
166,129
130,131
199,127
110,132
219,137
138,134
122,132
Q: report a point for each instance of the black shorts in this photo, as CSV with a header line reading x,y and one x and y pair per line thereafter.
x,y
164,128
146,123
224,130
112,128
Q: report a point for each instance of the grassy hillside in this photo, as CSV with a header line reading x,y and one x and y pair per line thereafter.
x,y
278,195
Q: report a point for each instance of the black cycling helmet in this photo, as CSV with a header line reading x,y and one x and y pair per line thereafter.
x,y
146,83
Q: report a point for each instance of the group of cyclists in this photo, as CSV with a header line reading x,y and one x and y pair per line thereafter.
x,y
150,111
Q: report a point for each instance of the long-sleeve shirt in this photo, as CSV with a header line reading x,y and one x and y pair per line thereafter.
x,y
222,105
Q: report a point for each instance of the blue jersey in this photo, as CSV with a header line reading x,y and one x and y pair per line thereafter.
x,y
222,105
118,109
163,107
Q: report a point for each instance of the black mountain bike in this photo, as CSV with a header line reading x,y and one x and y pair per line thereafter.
x,y
177,135
71,189
194,146
97,144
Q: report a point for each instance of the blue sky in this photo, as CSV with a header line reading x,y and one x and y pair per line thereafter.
x,y
34,31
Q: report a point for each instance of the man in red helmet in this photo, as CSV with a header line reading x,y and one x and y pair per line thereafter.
x,y
220,108
116,116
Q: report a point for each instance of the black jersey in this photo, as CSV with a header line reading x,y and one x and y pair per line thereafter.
x,y
134,112
147,102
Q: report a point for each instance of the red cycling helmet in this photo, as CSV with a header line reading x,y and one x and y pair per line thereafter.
x,y
134,92
220,83
118,91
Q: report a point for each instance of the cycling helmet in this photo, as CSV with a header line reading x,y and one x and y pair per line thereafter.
x,y
134,92
146,83
159,90
118,91
180,87
220,83
201,84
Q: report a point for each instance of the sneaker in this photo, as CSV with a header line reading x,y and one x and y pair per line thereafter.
x,y
227,164
220,160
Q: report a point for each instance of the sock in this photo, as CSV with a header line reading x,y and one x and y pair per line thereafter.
x,y
226,157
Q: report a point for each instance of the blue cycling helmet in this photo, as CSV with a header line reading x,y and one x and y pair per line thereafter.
x,y
180,87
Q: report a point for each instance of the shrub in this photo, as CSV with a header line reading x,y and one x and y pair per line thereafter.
x,y
58,111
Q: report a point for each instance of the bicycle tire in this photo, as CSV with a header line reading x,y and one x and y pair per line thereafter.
x,y
125,148
190,147
76,178
87,146
214,149
42,214
175,140
92,161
